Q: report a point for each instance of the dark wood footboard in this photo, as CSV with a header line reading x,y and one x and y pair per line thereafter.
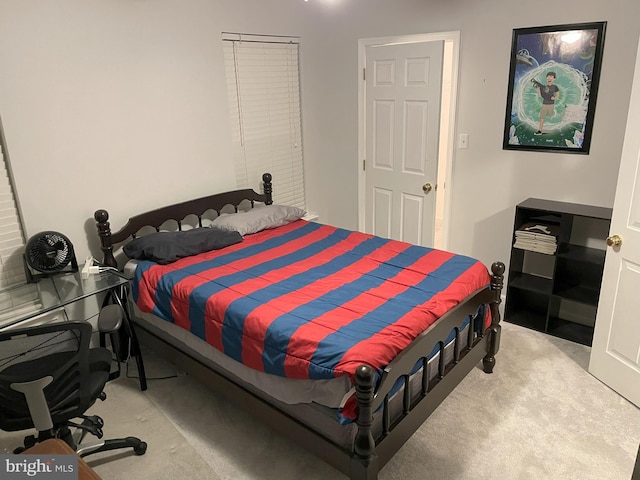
x,y
369,454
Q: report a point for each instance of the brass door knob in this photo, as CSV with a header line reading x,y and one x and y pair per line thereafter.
x,y
427,187
614,240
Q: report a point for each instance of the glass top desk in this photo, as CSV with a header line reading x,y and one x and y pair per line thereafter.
x,y
20,306
30,300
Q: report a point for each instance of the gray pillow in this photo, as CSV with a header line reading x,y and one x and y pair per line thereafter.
x,y
167,247
259,218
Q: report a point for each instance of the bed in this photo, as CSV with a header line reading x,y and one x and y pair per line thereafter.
x,y
342,341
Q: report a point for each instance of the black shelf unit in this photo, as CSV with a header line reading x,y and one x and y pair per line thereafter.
x,y
558,294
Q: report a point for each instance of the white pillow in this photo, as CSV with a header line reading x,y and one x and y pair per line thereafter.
x,y
259,218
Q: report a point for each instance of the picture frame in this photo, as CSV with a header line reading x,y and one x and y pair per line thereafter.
x,y
553,86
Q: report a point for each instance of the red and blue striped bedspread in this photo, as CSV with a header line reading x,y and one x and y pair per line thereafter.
x,y
308,300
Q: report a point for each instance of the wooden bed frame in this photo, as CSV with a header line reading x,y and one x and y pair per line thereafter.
x,y
368,454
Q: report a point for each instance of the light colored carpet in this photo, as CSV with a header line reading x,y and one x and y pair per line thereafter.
x,y
540,415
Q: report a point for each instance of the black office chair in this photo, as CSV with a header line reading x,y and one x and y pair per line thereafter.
x,y
50,376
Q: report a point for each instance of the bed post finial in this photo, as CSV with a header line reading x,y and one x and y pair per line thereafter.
x,y
104,232
497,283
268,188
364,465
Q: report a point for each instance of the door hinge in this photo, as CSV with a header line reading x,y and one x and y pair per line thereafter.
x,y
364,76
364,165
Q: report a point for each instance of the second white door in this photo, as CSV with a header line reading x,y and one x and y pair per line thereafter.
x,y
403,94
615,354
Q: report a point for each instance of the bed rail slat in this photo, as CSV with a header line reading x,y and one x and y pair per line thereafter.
x,y
425,376
386,421
471,335
406,398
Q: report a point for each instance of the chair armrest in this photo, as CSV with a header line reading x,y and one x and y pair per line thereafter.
x,y
36,401
110,318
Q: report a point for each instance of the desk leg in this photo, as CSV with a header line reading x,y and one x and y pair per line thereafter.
x,y
123,300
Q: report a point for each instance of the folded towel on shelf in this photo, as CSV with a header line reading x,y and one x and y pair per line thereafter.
x,y
537,237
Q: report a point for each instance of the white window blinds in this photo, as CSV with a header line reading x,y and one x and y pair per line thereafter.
x,y
264,100
11,238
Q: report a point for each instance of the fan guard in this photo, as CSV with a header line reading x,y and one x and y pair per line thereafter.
x,y
48,253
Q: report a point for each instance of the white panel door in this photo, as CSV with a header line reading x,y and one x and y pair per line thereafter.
x,y
615,353
403,86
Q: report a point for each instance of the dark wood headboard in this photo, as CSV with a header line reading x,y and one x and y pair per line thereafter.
x,y
177,212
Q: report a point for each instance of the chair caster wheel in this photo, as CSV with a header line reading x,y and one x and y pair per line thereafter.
x,y
98,421
140,449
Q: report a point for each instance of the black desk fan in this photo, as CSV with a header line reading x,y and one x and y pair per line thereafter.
x,y
48,253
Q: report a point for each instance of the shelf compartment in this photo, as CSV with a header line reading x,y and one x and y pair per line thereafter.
x,y
527,308
528,319
538,216
578,281
577,293
571,331
581,254
532,283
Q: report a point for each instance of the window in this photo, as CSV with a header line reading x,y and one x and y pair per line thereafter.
x,y
11,237
16,297
264,99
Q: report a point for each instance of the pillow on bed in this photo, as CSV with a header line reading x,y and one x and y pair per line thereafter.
x,y
167,247
259,218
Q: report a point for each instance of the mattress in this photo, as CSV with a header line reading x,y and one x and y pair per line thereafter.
x,y
328,392
309,301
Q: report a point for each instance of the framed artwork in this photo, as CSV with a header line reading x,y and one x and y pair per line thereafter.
x,y
553,85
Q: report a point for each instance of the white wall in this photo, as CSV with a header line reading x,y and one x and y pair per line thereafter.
x,y
119,105
488,181
122,105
